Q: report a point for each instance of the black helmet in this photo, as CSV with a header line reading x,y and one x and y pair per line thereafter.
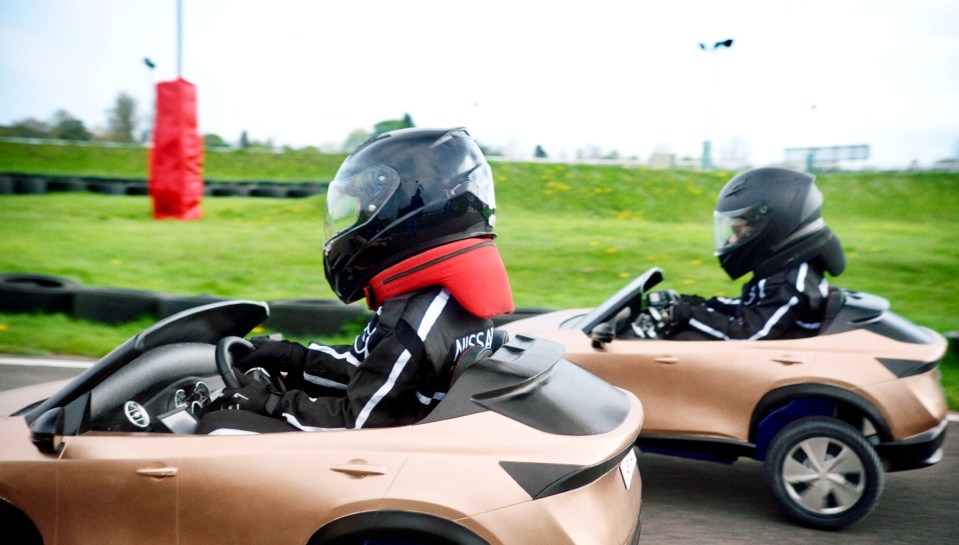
x,y
399,194
769,219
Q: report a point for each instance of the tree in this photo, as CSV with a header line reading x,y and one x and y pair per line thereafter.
x,y
28,128
539,152
214,141
67,127
122,119
355,138
392,125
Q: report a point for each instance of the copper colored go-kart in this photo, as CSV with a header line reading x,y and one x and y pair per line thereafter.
x,y
826,414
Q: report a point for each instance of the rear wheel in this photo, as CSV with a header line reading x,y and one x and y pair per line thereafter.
x,y
824,473
17,526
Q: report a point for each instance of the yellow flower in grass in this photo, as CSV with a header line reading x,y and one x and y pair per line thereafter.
x,y
4,327
116,262
624,274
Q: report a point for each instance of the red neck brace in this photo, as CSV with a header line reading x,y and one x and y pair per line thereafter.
x,y
471,269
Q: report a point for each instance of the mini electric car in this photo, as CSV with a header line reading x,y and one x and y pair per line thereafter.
x,y
826,414
525,448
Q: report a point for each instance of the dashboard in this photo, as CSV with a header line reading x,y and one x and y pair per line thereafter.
x,y
174,408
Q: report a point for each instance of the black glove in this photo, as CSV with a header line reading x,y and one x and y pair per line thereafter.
x,y
662,322
667,298
274,356
254,395
662,298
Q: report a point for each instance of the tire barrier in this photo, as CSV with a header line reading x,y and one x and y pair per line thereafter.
x,y
66,185
30,186
138,189
275,192
6,185
28,292
18,183
313,316
115,305
168,306
39,293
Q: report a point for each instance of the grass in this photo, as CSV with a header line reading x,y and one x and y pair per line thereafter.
x,y
570,235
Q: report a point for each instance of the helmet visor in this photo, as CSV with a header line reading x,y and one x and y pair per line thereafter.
x,y
479,182
736,227
354,199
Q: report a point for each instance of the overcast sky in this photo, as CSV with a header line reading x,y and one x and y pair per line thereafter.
x,y
610,75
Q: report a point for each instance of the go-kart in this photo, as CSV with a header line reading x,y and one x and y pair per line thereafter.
x,y
826,414
526,447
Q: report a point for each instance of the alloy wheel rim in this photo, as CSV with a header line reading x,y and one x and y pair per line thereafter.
x,y
824,475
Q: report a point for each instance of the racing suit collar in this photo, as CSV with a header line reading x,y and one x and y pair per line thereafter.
x,y
471,269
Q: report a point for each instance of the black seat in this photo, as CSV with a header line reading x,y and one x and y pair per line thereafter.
x,y
834,301
477,353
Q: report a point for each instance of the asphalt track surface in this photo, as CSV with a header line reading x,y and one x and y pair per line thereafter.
x,y
695,502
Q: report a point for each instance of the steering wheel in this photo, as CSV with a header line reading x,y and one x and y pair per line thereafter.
x,y
225,356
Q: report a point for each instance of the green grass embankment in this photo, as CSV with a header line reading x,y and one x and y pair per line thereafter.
x,y
570,235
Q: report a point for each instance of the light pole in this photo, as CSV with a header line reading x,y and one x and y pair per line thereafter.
x,y
179,39
707,144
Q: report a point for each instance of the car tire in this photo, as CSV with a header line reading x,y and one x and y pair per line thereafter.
x,y
27,292
824,473
18,526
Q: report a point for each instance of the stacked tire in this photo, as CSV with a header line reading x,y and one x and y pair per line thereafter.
x,y
36,293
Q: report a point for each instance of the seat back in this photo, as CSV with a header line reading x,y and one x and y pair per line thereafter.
x,y
834,301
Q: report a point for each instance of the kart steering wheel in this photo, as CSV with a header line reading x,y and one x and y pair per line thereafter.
x,y
224,357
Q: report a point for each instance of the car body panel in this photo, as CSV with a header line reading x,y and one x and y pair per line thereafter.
x,y
480,463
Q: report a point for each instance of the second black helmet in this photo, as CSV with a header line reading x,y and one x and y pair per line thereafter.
x,y
770,218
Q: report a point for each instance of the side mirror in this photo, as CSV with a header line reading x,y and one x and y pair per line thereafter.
x,y
601,334
47,431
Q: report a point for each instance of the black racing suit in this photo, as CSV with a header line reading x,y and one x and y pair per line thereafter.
x,y
395,372
787,304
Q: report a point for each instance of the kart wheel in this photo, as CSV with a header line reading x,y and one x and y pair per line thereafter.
x,y
824,473
18,525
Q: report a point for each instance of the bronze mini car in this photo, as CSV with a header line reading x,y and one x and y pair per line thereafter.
x,y
826,413
515,453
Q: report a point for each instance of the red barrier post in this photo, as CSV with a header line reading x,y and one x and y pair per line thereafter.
x,y
176,160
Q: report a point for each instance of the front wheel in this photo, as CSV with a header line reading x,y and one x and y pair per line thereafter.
x,y
824,473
